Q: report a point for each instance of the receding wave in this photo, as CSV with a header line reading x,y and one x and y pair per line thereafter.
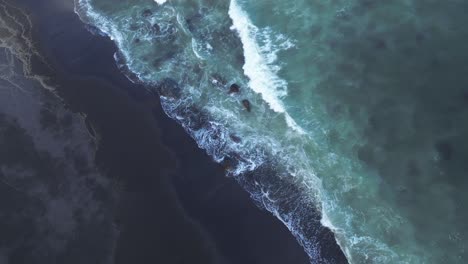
x,y
259,62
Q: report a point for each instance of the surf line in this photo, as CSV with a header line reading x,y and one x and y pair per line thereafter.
x,y
263,79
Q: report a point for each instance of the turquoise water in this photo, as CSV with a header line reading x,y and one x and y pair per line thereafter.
x,y
361,105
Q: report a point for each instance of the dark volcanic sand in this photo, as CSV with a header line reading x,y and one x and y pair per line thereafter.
x,y
176,204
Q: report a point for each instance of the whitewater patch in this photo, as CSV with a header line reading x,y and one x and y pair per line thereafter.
x,y
260,61
86,12
160,2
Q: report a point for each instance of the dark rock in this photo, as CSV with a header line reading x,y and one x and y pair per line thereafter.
x,y
234,88
232,160
156,29
229,163
146,13
194,118
235,138
240,58
137,40
246,104
218,79
169,88
192,21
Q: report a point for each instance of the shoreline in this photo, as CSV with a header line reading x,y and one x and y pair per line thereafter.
x,y
148,111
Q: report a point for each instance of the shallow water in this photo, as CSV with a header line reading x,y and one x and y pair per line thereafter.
x,y
360,105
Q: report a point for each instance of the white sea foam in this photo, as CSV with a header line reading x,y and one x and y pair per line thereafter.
x,y
259,62
263,79
160,2
84,8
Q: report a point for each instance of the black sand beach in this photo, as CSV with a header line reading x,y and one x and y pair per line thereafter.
x,y
174,204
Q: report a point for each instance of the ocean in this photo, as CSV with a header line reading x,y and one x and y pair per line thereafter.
x,y
356,109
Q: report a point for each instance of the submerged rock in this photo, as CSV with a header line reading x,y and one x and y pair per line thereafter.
x,y
234,88
235,138
156,29
169,88
195,119
193,21
146,13
240,58
229,163
133,27
246,104
218,80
